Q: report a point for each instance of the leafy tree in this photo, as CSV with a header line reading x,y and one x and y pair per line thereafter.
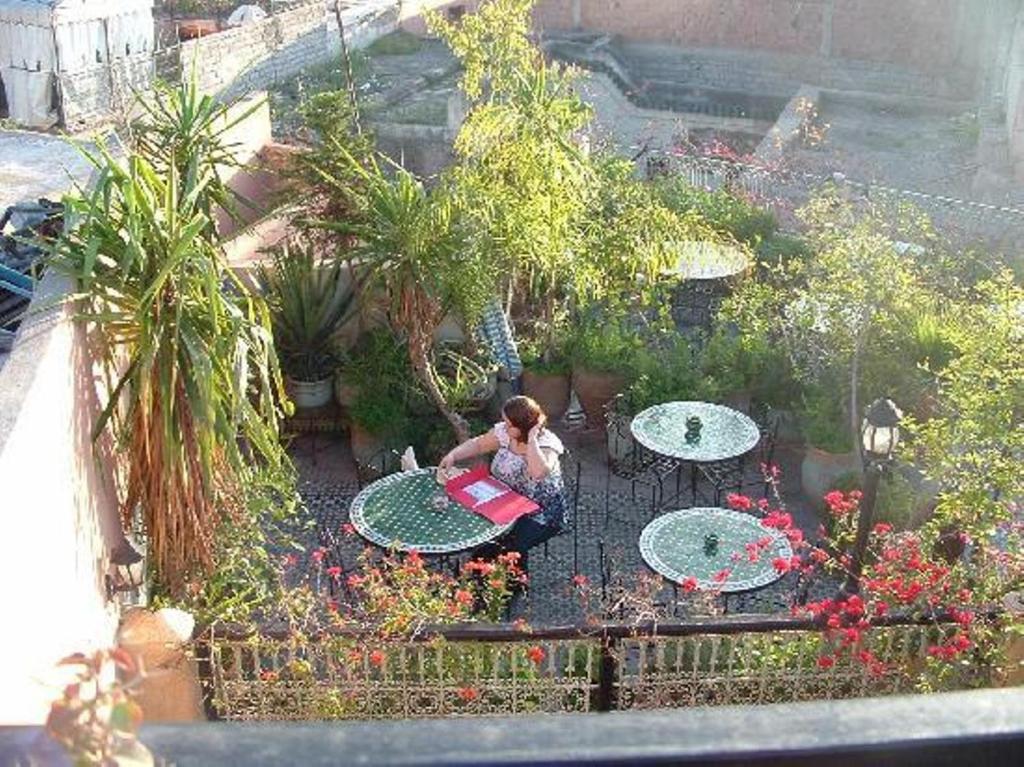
x,y
974,444
851,303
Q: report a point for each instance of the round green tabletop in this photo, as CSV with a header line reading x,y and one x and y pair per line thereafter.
x,y
702,260
409,511
725,433
673,545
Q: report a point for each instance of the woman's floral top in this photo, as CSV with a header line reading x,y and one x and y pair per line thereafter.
x,y
511,468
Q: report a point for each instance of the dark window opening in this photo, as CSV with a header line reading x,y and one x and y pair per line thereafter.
x,y
99,58
127,49
4,112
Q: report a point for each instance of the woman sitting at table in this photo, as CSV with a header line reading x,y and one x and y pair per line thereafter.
x,y
527,459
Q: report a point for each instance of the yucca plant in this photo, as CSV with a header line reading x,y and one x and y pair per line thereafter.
x,y
309,299
192,381
409,240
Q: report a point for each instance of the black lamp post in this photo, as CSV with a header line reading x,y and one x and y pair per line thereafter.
x,y
879,436
127,570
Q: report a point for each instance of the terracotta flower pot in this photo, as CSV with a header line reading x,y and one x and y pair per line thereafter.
x,y
190,29
820,469
594,391
364,444
550,390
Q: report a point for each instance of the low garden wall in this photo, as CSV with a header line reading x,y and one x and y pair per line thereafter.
x,y
60,512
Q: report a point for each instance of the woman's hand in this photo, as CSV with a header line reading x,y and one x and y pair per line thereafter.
x,y
448,461
534,432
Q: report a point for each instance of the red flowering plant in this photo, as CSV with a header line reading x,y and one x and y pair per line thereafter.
x,y
905,576
368,624
906,573
395,595
96,716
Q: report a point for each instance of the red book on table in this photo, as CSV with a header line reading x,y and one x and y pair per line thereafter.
x,y
489,497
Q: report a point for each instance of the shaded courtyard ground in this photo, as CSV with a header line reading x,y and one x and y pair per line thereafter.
x,y
328,485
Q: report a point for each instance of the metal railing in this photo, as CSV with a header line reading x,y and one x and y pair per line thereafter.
x,y
482,669
962,221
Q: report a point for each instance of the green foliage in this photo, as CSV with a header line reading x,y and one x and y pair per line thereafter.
x,y
191,371
245,584
378,369
605,344
399,43
628,235
823,421
721,210
668,374
747,348
493,46
381,415
309,299
782,249
973,443
465,376
331,165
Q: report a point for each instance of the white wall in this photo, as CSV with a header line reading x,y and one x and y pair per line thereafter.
x,y
58,515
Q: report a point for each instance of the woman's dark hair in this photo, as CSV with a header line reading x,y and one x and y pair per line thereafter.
x,y
523,413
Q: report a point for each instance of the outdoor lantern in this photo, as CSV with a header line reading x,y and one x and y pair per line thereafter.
x,y
127,569
880,430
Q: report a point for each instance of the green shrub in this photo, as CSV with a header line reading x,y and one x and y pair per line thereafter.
x,y
721,210
387,395
606,345
782,249
380,414
824,421
399,43
668,374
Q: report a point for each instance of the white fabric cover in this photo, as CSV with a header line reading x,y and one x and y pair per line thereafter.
x,y
29,97
41,37
246,14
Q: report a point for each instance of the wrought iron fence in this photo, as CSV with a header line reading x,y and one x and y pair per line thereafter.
x,y
466,671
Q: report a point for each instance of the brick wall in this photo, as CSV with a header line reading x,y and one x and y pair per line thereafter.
x,y
932,37
789,26
922,35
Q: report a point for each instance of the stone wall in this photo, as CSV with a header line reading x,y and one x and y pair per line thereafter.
x,y
92,95
236,61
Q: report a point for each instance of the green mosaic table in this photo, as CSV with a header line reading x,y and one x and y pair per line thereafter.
x,y
673,546
725,433
409,511
702,260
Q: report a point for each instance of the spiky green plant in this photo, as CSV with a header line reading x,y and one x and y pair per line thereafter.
x,y
192,379
309,299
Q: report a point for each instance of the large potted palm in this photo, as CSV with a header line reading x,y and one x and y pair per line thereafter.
x,y
191,383
411,246
310,299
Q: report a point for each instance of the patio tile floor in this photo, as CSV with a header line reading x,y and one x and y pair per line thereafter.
x,y
328,485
